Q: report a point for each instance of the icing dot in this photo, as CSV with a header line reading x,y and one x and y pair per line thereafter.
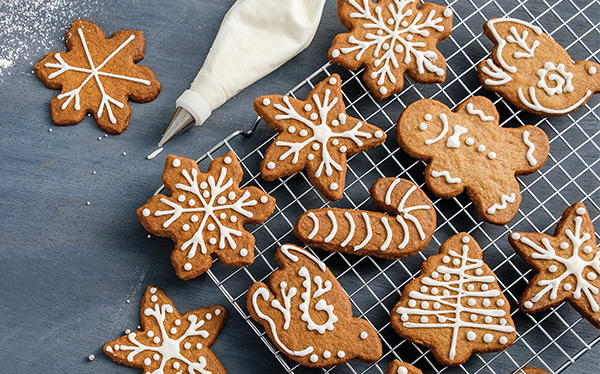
x,y
199,346
192,202
472,302
212,241
435,274
528,304
383,90
409,37
176,365
332,80
314,116
150,333
176,162
173,330
222,216
264,199
447,277
471,336
333,186
423,289
146,212
379,32
177,322
92,357
203,185
127,332
404,317
465,239
231,195
441,319
194,218
291,129
208,316
156,357
424,304
266,101
307,107
488,319
567,287
342,118
428,117
211,227
470,287
404,23
564,245
270,165
303,132
185,227
488,338
412,303
227,160
154,298
217,312
341,354
390,21
326,354
187,266
481,148
491,155
422,126
580,211
310,156
434,291
379,134
484,287
515,236
187,345
343,149
473,317
402,370
335,53
156,340
503,340
469,141
456,262
335,142
500,302
313,357
398,48
446,292
316,146
364,335
181,198
552,268
424,319
335,122
592,70
233,219
447,12
479,271
147,361
503,321
243,252
436,305
446,259
591,276
587,249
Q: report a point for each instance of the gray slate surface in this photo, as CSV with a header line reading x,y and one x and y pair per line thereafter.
x,y
67,268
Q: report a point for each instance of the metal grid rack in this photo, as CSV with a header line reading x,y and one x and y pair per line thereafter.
x,y
551,340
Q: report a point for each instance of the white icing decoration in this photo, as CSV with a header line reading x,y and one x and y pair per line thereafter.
x,y
94,72
270,165
350,230
266,101
146,212
364,335
315,229
504,199
428,117
176,162
535,105
481,148
333,227
531,148
394,39
469,141
478,112
446,175
561,80
453,141
369,235
335,53
444,120
333,186
592,70
452,297
402,370
491,155
447,12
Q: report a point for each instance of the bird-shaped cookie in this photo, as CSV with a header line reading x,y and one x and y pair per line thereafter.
x,y
535,73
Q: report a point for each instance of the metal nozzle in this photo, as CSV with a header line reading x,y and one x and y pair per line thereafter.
x,y
182,119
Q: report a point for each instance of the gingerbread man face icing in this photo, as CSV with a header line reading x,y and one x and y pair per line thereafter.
x,y
206,214
533,71
170,343
315,134
568,265
455,307
468,150
362,232
390,37
307,314
98,76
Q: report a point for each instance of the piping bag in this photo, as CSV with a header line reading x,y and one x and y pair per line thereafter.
x,y
255,38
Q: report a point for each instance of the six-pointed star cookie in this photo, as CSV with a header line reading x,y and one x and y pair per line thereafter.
x,y
568,265
316,134
170,343
98,76
205,214
390,37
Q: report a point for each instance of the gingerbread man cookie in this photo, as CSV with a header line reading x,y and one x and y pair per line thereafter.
x,y
206,213
307,314
390,37
315,134
467,150
97,75
362,232
399,367
568,265
532,71
455,307
168,342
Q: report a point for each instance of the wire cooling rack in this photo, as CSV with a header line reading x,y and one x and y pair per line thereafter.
x,y
550,340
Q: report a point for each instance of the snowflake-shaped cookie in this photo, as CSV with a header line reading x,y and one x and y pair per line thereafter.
x,y
390,37
568,265
97,75
206,213
316,134
170,343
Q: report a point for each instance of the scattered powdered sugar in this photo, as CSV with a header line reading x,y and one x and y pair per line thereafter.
x,y
31,28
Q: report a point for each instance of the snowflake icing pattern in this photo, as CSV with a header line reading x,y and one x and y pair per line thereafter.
x,y
568,265
206,213
96,68
170,343
315,133
389,37
457,296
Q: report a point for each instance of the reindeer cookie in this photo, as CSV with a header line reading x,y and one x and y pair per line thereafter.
x,y
468,150
533,71
455,307
307,314
389,37
315,134
362,232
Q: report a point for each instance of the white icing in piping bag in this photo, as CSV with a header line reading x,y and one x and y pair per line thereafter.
x,y
255,38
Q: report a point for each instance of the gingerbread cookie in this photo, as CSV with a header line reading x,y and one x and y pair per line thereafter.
x,y
533,71
467,150
170,343
390,37
206,213
97,75
399,367
363,232
568,265
315,134
307,314
455,307
531,370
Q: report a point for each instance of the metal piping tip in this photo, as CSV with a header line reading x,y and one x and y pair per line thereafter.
x,y
182,119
